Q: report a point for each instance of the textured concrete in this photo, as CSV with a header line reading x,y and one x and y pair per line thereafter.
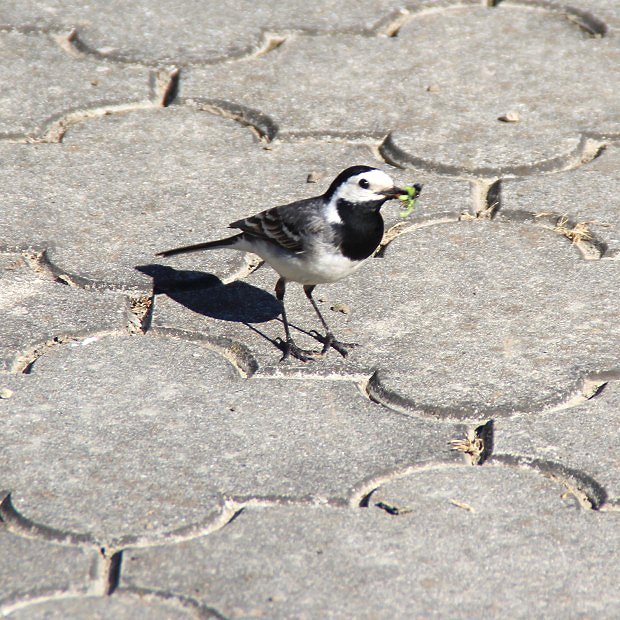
x,y
37,312
123,607
98,232
583,439
158,460
190,32
474,321
427,99
33,567
38,95
230,437
503,535
589,194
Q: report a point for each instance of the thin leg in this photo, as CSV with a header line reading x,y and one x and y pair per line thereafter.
x,y
280,290
290,348
328,340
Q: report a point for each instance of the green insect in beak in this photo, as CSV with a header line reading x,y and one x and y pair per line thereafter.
x,y
413,191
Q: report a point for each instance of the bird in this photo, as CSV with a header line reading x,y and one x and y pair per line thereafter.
x,y
315,241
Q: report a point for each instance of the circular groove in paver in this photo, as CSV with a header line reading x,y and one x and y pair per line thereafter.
x,y
186,33
37,93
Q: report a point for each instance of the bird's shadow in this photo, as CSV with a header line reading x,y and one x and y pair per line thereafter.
x,y
204,293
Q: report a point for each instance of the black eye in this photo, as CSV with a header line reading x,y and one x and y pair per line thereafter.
x,y
364,184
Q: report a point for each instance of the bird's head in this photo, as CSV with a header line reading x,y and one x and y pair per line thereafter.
x,y
363,185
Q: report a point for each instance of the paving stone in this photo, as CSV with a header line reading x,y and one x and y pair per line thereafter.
x,y
481,324
121,606
581,438
430,97
47,82
37,311
460,320
162,429
123,187
588,194
151,444
190,31
35,566
518,551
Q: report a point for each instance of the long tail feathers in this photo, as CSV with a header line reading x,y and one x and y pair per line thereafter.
x,y
220,243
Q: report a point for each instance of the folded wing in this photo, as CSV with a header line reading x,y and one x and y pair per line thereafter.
x,y
288,226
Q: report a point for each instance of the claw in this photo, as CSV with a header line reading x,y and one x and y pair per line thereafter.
x,y
289,349
329,341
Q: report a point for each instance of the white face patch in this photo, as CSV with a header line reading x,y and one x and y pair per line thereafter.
x,y
352,191
376,180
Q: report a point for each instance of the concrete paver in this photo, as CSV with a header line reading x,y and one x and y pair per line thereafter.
x,y
38,95
589,194
180,411
121,606
33,567
474,321
581,438
98,233
159,461
188,32
426,99
38,312
366,563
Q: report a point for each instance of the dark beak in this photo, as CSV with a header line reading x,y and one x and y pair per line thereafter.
x,y
395,192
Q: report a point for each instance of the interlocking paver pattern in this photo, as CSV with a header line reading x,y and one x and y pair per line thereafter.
x,y
165,410
122,606
373,564
47,82
158,460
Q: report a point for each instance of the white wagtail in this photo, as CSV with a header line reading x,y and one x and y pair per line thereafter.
x,y
316,240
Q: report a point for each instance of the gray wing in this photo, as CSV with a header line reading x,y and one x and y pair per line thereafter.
x,y
291,226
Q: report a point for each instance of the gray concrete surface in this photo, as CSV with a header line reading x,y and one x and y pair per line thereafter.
x,y
502,535
158,461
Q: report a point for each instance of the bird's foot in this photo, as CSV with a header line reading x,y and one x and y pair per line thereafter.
x,y
290,349
330,342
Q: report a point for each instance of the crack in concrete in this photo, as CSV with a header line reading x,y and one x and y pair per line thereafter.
x,y
164,85
476,445
486,200
140,313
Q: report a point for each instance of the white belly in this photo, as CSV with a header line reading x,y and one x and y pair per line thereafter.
x,y
303,268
